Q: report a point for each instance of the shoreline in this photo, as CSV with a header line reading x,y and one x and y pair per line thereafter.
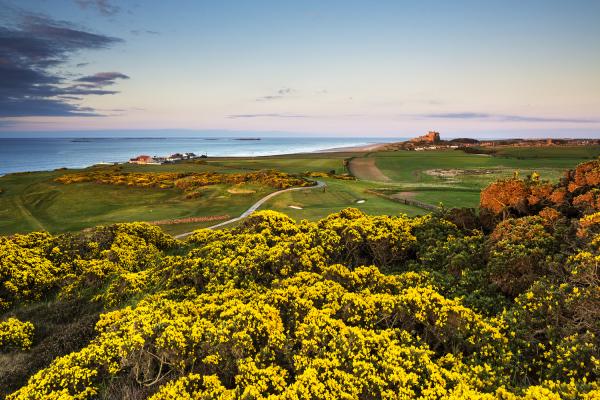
x,y
359,148
343,149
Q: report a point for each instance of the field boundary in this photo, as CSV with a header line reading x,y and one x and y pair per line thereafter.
x,y
403,200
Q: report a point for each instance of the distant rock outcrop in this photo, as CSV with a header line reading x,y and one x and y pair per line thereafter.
x,y
431,137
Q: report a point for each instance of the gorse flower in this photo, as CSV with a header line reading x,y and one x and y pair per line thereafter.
x,y
15,334
351,306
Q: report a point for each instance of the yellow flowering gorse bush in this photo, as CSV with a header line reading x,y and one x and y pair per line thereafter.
x,y
352,306
15,334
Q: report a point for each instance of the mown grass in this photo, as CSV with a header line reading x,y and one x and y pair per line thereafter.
x,y
33,201
411,171
549,152
335,196
293,163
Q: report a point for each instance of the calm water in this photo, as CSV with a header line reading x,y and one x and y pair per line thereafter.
x,y
19,155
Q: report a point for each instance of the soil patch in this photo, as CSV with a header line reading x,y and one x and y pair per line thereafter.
x,y
236,190
451,173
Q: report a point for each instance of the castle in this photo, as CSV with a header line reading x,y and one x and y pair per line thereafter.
x,y
431,137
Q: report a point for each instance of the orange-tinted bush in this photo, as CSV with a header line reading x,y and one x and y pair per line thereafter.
x,y
588,201
577,193
504,195
586,174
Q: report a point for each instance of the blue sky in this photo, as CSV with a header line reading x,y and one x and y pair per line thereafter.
x,y
355,68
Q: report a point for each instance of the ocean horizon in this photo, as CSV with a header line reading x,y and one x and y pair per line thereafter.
x,y
49,153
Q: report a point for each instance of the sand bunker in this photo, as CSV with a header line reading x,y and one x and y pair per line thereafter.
x,y
451,173
236,190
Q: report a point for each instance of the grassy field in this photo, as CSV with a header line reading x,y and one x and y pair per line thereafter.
x,y
33,201
293,163
456,178
549,152
337,195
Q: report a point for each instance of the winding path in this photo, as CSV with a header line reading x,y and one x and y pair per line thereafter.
x,y
255,206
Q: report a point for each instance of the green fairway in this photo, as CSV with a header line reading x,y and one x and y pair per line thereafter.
x,y
572,152
337,195
293,163
33,201
455,178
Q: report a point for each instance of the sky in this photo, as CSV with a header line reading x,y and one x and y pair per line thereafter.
x,y
507,68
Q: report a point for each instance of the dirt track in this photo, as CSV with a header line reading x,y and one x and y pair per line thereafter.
x,y
364,168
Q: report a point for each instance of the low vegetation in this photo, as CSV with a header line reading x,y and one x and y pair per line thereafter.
x,y
501,304
577,192
189,182
36,201
15,334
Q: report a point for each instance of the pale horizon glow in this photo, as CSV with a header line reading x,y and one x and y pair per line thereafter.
x,y
339,68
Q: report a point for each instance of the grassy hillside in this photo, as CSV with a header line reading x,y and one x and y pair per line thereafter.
x,y
34,201
449,305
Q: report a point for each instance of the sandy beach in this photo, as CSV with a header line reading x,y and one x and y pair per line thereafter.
x,y
369,147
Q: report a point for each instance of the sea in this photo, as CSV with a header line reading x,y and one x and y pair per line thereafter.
x,y
44,154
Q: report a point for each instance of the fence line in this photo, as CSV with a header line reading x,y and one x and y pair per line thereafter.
x,y
409,202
